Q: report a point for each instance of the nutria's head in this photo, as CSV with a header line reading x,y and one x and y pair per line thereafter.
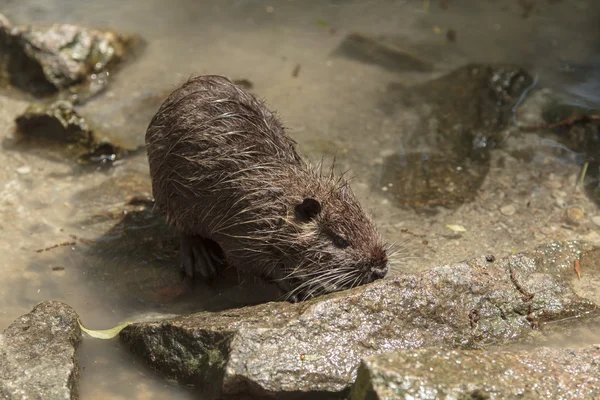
x,y
328,241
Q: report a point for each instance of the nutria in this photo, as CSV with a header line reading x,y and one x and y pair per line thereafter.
x,y
229,179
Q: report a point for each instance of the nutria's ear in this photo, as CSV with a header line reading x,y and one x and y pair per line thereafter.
x,y
307,210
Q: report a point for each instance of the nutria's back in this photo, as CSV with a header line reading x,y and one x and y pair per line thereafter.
x,y
224,170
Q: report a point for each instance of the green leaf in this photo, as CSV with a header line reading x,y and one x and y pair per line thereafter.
x,y
105,333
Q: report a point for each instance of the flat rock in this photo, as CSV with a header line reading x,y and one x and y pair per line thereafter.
x,y
285,350
542,373
37,354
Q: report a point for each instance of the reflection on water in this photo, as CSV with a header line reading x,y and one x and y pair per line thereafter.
x,y
380,84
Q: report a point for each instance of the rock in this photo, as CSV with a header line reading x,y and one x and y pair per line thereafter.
x,y
59,126
378,51
508,210
56,121
463,116
37,354
542,373
46,60
473,103
574,215
285,350
24,170
596,220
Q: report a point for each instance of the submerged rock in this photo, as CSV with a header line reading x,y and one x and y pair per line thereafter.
x,y
542,373
426,181
382,52
464,115
37,354
46,60
285,350
59,126
475,101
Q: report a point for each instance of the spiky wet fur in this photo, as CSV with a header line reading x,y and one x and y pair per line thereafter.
x,y
223,168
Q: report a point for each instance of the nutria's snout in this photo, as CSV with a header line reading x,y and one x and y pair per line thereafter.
x,y
379,272
376,269
378,266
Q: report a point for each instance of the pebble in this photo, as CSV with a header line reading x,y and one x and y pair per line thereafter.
x,y
592,237
508,210
575,214
559,193
596,220
25,169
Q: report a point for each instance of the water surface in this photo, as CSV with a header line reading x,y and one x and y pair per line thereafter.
x,y
332,104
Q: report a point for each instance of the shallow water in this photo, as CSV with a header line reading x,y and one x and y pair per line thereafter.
x,y
518,193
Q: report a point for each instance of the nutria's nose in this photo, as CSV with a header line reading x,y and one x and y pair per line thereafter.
x,y
379,273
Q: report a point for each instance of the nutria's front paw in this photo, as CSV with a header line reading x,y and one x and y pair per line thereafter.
x,y
199,258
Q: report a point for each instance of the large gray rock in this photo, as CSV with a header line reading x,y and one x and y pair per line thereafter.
x,y
37,354
285,350
542,373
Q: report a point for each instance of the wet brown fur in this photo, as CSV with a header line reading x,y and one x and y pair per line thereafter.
x,y
223,168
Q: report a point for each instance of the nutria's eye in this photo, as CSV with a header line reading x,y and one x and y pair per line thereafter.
x,y
307,210
340,242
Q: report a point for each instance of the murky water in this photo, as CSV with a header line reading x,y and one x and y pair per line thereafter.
x,y
418,168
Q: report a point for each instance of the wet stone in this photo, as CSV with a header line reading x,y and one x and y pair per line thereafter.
x,y
37,354
57,122
508,210
62,58
59,127
464,115
433,373
574,215
315,347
